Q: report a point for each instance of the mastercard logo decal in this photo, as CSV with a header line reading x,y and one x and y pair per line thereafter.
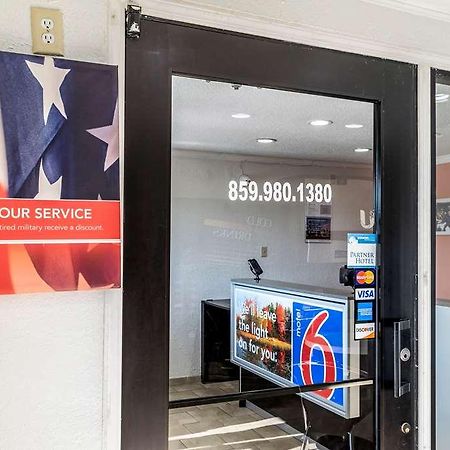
x,y
365,277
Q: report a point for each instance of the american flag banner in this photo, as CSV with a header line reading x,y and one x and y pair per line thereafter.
x,y
59,175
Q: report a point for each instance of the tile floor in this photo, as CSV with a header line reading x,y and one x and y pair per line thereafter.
x,y
223,425
195,388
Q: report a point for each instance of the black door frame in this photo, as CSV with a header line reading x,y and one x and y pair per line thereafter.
x,y
166,47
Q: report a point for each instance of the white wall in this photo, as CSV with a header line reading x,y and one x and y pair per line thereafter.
x,y
59,353
212,238
85,27
51,349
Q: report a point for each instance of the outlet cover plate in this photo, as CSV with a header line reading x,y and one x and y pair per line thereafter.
x,y
38,30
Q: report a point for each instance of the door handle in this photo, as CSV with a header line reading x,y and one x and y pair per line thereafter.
x,y
402,354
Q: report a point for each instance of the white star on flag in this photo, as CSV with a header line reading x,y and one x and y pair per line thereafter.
x,y
110,135
50,78
47,190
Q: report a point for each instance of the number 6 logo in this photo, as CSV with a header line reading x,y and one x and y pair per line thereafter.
x,y
311,340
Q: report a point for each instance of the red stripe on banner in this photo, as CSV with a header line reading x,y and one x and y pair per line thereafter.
x,y
6,285
55,265
25,219
59,267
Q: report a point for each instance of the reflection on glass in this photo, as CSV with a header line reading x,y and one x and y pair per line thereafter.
x,y
280,177
442,264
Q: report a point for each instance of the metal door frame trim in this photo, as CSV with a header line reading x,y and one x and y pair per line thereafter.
x,y
167,47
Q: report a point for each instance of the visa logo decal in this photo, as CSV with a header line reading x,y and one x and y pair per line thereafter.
x,y
365,294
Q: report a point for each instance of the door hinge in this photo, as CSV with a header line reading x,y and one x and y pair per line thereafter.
x,y
133,22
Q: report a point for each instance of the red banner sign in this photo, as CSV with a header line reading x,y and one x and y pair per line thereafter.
x,y
59,175
42,220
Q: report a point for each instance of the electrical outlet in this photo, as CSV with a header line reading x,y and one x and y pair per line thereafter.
x,y
263,252
47,23
47,31
48,38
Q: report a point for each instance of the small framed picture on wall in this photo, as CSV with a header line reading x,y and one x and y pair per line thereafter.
x,y
443,216
317,229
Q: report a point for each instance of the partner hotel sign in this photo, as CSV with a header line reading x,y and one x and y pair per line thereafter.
x,y
361,250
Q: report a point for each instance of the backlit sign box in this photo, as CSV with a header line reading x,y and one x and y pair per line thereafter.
x,y
291,338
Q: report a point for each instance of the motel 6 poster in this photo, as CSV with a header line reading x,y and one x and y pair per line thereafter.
x,y
59,175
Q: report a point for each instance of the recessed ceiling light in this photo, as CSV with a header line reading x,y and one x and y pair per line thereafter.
x,y
354,125
320,122
240,116
362,150
266,140
440,98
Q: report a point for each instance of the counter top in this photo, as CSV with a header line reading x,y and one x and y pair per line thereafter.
x,y
219,303
304,289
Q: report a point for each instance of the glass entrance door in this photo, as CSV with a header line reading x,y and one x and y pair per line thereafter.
x,y
249,184
269,181
441,231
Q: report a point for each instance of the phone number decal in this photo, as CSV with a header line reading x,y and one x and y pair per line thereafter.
x,y
279,192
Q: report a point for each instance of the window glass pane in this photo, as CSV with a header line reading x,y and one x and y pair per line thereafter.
x,y
279,178
442,264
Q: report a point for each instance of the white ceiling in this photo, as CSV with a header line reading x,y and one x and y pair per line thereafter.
x,y
202,122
